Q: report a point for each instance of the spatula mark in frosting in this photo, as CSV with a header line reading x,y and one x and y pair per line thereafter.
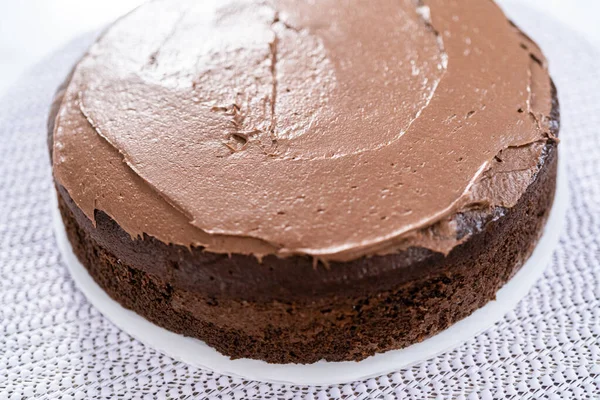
x,y
153,57
273,68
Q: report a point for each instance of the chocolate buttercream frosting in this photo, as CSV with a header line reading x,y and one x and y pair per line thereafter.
x,y
336,129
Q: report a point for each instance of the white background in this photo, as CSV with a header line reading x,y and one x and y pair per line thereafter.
x,y
31,29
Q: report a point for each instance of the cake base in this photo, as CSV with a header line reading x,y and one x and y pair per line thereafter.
x,y
197,353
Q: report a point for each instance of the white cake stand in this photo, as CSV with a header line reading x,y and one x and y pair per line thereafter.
x,y
197,353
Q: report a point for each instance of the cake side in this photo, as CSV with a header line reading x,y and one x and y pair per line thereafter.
x,y
337,327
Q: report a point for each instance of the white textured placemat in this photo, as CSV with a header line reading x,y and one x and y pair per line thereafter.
x,y
54,344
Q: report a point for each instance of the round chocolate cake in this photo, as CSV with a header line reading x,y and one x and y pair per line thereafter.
x,y
294,180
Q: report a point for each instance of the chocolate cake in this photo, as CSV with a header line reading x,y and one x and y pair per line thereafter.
x,y
294,181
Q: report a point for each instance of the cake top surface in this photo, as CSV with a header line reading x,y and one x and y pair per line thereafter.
x,y
335,129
